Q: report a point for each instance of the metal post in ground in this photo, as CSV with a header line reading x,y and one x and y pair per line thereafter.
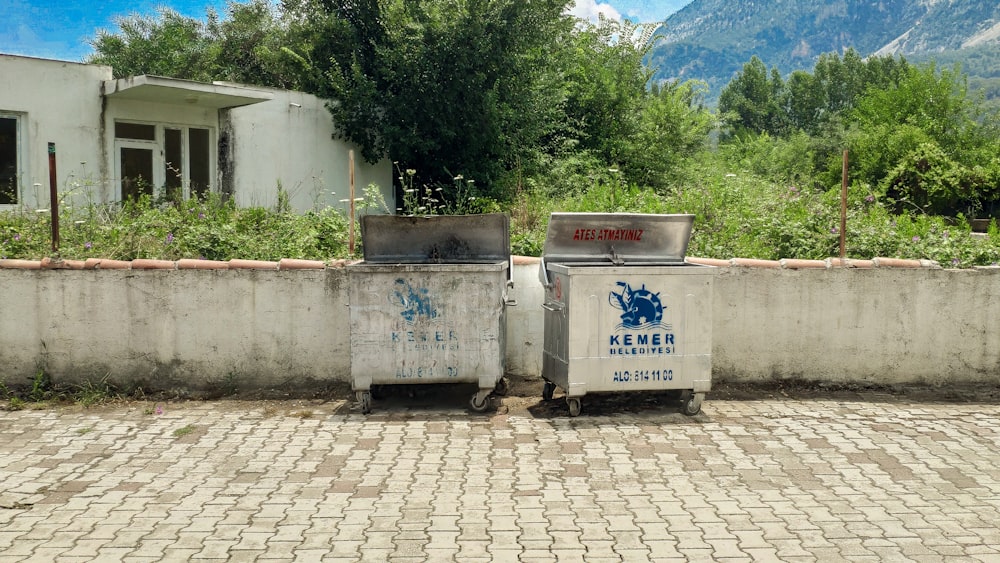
x,y
53,198
843,212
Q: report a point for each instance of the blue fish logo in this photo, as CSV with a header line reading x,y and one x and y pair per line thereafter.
x,y
641,308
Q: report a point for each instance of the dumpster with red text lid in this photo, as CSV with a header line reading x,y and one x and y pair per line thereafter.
x,y
427,303
623,311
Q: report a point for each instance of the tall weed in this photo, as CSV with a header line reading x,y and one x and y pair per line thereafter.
x,y
210,228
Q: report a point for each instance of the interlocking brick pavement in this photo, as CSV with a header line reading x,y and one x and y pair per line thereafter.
x,y
865,478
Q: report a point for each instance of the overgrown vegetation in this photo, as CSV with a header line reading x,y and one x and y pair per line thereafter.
x,y
210,229
40,392
741,213
918,138
512,106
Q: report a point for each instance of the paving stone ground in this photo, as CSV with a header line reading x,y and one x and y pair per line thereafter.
x,y
867,477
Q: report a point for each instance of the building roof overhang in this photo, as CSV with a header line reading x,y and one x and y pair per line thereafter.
x,y
158,89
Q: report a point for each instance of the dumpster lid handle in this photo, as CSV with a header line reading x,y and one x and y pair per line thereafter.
x,y
615,259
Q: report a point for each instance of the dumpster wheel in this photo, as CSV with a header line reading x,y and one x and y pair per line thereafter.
x,y
481,400
365,400
575,406
691,402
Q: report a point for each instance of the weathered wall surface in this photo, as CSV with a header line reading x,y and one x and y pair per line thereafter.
x,y
56,102
524,320
882,325
177,329
204,330
291,140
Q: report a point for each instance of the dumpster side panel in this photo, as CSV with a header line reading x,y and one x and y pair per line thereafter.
x,y
427,324
555,350
639,328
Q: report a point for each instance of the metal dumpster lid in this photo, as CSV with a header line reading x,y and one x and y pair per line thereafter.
x,y
448,239
617,238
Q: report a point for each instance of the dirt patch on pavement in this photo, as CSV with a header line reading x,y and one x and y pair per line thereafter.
x,y
821,390
524,395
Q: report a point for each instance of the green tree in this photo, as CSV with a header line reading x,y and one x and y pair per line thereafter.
x,y
818,104
250,45
605,83
839,82
808,101
617,127
673,126
166,44
751,102
927,142
803,101
445,88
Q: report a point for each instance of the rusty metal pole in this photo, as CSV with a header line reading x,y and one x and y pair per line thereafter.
x,y
843,212
53,198
350,175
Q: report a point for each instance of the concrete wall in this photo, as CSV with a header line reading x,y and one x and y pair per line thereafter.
x,y
886,326
58,102
291,139
176,329
222,329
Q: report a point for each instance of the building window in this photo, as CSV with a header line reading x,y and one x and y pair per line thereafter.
x,y
136,166
137,131
200,173
10,159
163,160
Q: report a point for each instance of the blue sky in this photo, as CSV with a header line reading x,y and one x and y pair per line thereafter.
x,y
635,10
60,30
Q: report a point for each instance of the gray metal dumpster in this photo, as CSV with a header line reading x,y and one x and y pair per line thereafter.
x,y
427,303
623,311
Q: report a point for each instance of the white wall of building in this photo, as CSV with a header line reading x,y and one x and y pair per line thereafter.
x,y
59,102
288,139
291,140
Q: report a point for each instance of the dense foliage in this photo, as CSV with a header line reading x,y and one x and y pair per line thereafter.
x,y
916,135
759,101
248,46
492,105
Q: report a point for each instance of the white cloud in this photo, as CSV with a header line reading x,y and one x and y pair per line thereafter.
x,y
589,9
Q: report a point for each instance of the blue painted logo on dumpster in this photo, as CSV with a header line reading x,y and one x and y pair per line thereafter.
x,y
640,308
641,331
416,303
425,344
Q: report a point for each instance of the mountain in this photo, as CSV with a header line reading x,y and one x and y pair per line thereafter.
x,y
710,40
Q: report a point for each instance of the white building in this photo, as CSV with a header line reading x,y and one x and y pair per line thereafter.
x,y
115,139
